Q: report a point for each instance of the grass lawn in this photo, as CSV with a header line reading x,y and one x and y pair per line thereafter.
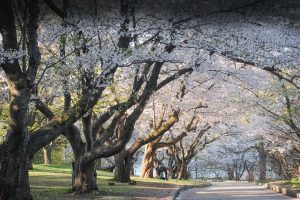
x,y
54,182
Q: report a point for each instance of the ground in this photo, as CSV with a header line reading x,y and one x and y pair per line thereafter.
x,y
232,191
50,182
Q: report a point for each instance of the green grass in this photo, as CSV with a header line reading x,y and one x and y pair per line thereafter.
x,y
47,181
54,182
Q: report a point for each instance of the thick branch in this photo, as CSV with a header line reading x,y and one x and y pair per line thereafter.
x,y
9,40
153,135
44,109
170,143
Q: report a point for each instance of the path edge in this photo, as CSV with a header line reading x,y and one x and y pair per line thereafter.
x,y
187,187
282,190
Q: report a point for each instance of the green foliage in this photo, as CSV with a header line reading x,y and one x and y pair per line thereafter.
x,y
57,156
295,182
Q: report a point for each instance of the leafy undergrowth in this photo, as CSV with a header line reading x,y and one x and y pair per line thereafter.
x,y
294,183
54,182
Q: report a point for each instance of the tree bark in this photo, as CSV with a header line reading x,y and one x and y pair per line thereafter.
x,y
14,152
30,167
148,159
157,169
119,170
262,163
182,170
84,177
123,166
14,174
132,168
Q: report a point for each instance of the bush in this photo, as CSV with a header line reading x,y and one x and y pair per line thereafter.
x,y
295,182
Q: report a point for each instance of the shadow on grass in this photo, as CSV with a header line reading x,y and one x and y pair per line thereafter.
x,y
63,169
54,182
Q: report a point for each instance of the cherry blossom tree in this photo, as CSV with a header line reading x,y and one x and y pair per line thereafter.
x,y
77,51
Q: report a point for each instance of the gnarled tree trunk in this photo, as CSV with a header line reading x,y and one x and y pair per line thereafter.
x,y
14,152
148,159
122,168
84,177
123,162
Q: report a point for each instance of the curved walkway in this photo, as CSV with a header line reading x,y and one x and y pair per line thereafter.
x,y
231,191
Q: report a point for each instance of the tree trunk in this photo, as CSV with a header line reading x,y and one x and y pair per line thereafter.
x,y
123,167
148,159
196,171
170,169
182,170
236,173
132,168
262,163
30,167
262,169
119,170
14,155
170,173
84,177
128,161
250,175
14,174
47,154
230,173
157,169
166,173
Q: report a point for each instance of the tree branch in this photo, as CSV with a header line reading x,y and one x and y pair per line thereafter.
x,y
154,134
170,143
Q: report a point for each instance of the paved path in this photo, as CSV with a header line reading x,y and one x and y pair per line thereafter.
x,y
231,191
